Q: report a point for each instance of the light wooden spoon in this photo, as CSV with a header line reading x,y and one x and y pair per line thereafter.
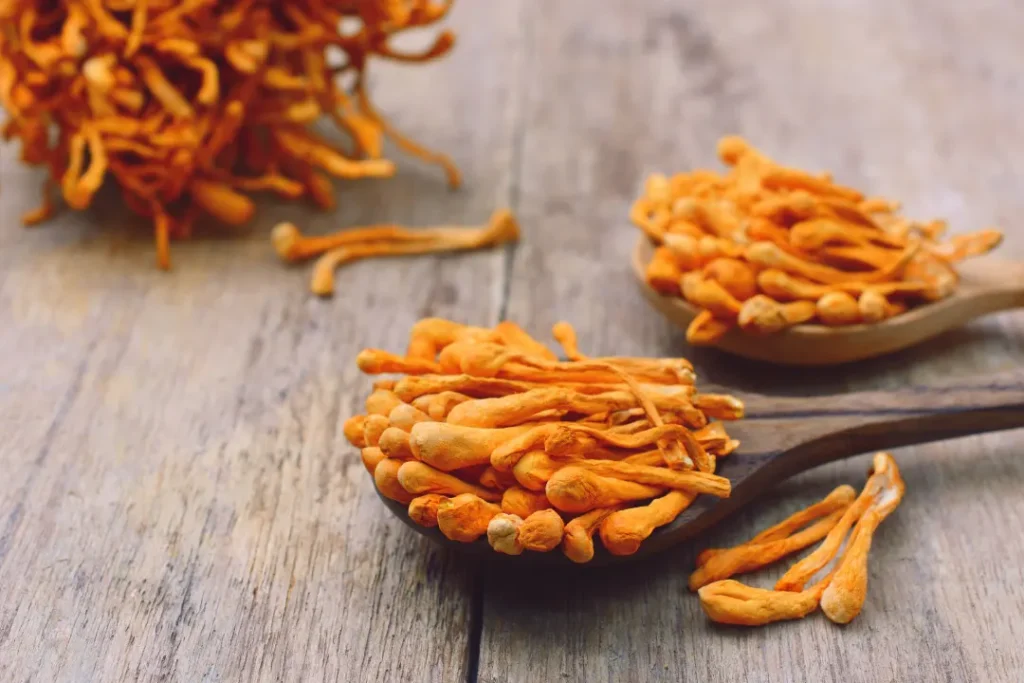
x,y
986,286
782,437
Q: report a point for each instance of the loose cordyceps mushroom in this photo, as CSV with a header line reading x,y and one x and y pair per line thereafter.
x,y
839,499
501,228
844,596
484,416
190,107
749,557
840,593
763,247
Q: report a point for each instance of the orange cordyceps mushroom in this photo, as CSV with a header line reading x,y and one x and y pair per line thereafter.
x,y
190,105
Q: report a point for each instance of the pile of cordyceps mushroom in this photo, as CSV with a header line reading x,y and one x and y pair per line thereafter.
x,y
489,433
763,247
191,105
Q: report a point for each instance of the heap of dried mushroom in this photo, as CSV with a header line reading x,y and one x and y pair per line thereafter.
x,y
190,105
488,433
764,247
840,592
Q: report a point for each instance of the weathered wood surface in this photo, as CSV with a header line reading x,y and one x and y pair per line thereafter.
x,y
917,100
177,501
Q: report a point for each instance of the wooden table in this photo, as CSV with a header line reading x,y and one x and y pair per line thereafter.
x,y
177,501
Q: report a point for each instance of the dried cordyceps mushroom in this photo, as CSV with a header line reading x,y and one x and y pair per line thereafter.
x,y
490,415
359,243
840,593
192,105
763,247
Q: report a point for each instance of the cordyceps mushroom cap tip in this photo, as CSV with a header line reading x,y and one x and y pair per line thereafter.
x,y
379,168
503,226
366,360
731,148
284,236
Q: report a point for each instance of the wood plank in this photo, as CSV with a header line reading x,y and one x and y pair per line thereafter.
x,y
871,92
179,502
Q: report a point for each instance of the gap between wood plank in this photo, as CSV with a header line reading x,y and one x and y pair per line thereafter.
x,y
476,620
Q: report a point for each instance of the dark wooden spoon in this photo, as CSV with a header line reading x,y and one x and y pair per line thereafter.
x,y
782,437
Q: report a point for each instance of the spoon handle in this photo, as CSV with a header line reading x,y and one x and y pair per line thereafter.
x,y
993,285
798,434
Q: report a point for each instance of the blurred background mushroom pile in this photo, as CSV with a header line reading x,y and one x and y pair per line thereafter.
x,y
192,105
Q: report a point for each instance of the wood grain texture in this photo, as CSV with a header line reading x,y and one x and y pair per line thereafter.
x,y
909,101
177,500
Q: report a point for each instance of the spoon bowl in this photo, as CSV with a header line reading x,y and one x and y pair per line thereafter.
x,y
782,437
986,286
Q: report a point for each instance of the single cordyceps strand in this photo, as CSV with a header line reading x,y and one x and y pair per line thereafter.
x,y
450,447
394,443
562,439
535,468
371,456
405,416
385,475
565,334
373,427
382,402
438,405
502,229
762,315
509,410
706,329
843,598
375,362
874,307
353,430
838,308
622,532
697,482
465,517
495,359
419,478
576,490
731,602
663,273
412,387
430,335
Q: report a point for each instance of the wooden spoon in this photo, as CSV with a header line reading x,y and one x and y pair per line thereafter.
x,y
986,286
782,437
